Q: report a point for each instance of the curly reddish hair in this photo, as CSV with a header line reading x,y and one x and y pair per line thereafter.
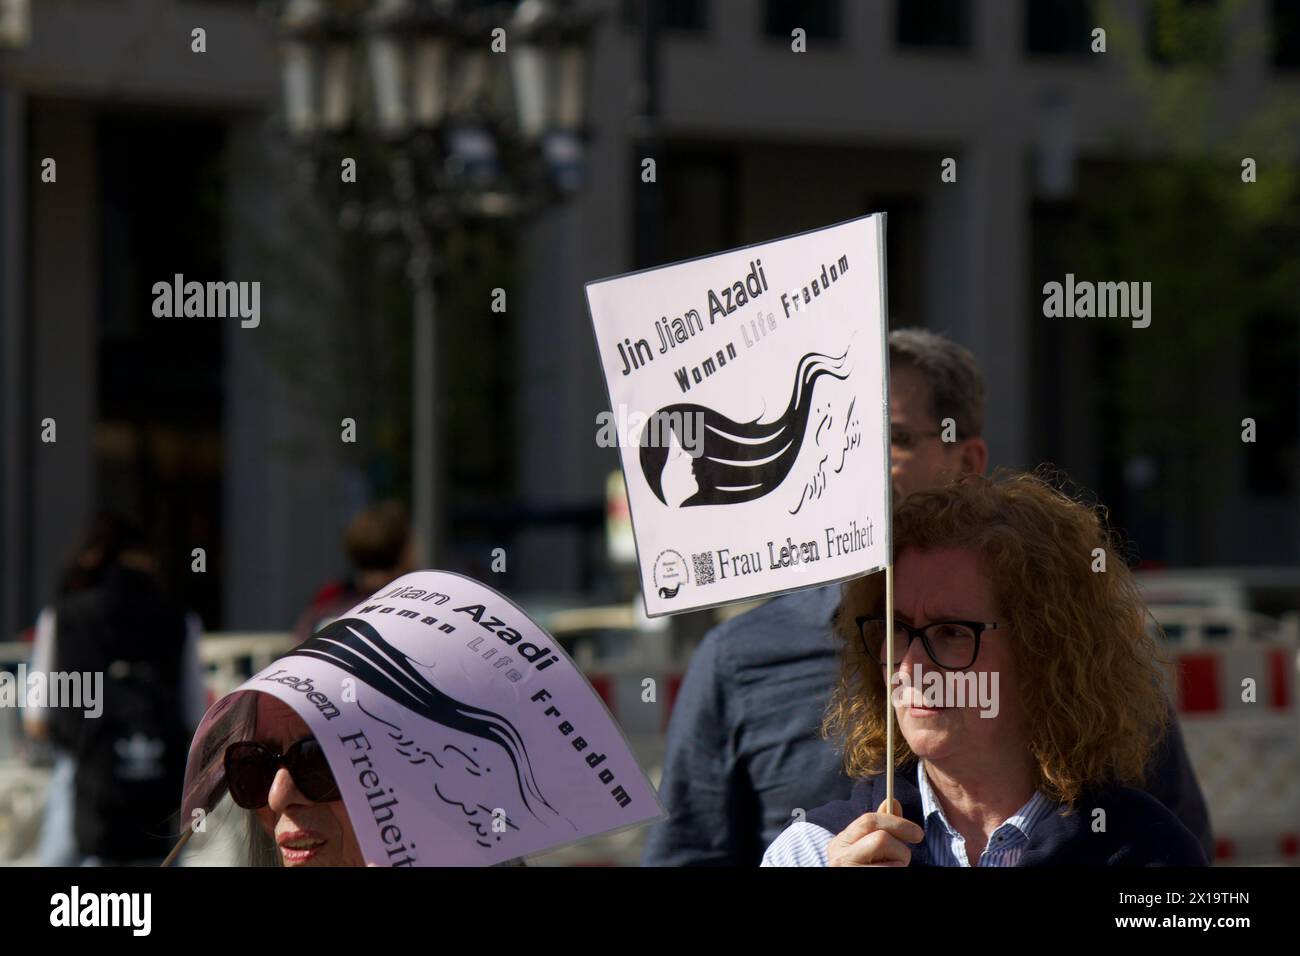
x,y
1090,674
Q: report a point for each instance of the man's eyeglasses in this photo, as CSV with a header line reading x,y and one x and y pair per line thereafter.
x,y
251,769
953,645
905,440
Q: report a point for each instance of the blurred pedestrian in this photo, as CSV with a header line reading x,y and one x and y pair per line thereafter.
x,y
116,773
380,548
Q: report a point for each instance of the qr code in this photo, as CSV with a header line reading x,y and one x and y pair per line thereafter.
x,y
704,570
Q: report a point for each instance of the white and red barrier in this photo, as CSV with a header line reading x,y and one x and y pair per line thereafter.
x,y
627,696
1235,688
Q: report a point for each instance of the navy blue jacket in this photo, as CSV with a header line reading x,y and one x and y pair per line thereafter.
x,y
1138,830
744,749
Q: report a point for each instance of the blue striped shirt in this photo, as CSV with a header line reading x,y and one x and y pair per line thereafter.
x,y
944,846
805,844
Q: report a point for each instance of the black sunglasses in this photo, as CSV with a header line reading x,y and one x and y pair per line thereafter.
x,y
251,769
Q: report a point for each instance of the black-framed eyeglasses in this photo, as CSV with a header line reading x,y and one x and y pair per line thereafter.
x,y
952,645
251,769
905,439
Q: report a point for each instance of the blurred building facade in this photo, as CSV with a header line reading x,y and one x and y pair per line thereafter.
x,y
194,427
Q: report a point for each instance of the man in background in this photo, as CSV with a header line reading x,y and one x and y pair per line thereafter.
x,y
380,548
745,753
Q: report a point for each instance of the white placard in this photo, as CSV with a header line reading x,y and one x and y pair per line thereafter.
x,y
459,732
750,395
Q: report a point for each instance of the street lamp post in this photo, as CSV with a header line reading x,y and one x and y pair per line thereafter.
x,y
465,143
15,525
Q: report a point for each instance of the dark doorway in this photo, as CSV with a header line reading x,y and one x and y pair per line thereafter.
x,y
158,436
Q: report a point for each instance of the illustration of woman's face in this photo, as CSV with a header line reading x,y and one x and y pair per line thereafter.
x,y
678,478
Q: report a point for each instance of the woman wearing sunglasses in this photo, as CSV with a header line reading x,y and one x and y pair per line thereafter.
x,y
273,796
995,592
282,776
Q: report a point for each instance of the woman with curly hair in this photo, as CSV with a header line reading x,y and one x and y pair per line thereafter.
x,y
995,587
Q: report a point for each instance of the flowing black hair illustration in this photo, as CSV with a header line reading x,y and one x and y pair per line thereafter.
x,y
735,461
356,647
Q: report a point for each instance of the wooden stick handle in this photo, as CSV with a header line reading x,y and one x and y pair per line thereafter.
x,y
180,845
889,685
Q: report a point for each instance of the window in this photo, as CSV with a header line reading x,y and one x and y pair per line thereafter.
x,y
933,23
700,201
820,19
1286,34
1183,32
903,254
687,16
1272,366
1058,27
160,400
684,15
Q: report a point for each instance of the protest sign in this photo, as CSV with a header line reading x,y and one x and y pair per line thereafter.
x,y
458,731
749,397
